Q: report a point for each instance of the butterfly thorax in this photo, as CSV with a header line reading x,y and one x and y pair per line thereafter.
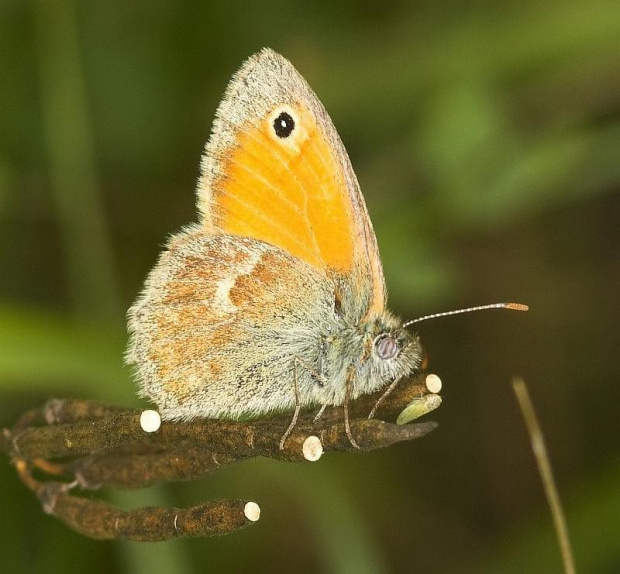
x,y
366,356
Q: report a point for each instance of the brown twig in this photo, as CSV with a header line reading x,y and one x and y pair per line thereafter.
x,y
103,521
91,444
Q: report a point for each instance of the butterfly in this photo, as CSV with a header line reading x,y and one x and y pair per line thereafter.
x,y
276,298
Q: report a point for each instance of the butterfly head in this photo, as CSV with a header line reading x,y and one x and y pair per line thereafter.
x,y
391,352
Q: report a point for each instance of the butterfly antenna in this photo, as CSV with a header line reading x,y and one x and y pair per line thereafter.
x,y
511,306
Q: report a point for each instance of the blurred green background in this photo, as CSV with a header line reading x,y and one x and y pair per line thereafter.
x,y
486,137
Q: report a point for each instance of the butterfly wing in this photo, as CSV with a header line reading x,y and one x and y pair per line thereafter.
x,y
215,331
275,170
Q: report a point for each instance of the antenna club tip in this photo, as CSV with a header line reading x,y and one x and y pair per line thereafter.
x,y
517,306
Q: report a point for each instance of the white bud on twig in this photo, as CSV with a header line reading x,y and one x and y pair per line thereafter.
x,y
252,511
433,383
312,448
150,421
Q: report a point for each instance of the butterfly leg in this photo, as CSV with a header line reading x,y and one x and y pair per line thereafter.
x,y
290,428
317,376
320,413
383,397
347,423
320,380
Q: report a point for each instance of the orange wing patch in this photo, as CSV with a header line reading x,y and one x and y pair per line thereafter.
x,y
288,192
275,170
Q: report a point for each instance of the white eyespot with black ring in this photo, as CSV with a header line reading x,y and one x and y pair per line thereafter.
x,y
283,125
386,347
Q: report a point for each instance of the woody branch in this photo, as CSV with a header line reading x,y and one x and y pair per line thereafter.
x,y
89,445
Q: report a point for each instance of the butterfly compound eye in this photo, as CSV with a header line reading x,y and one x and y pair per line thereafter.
x,y
283,125
387,347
